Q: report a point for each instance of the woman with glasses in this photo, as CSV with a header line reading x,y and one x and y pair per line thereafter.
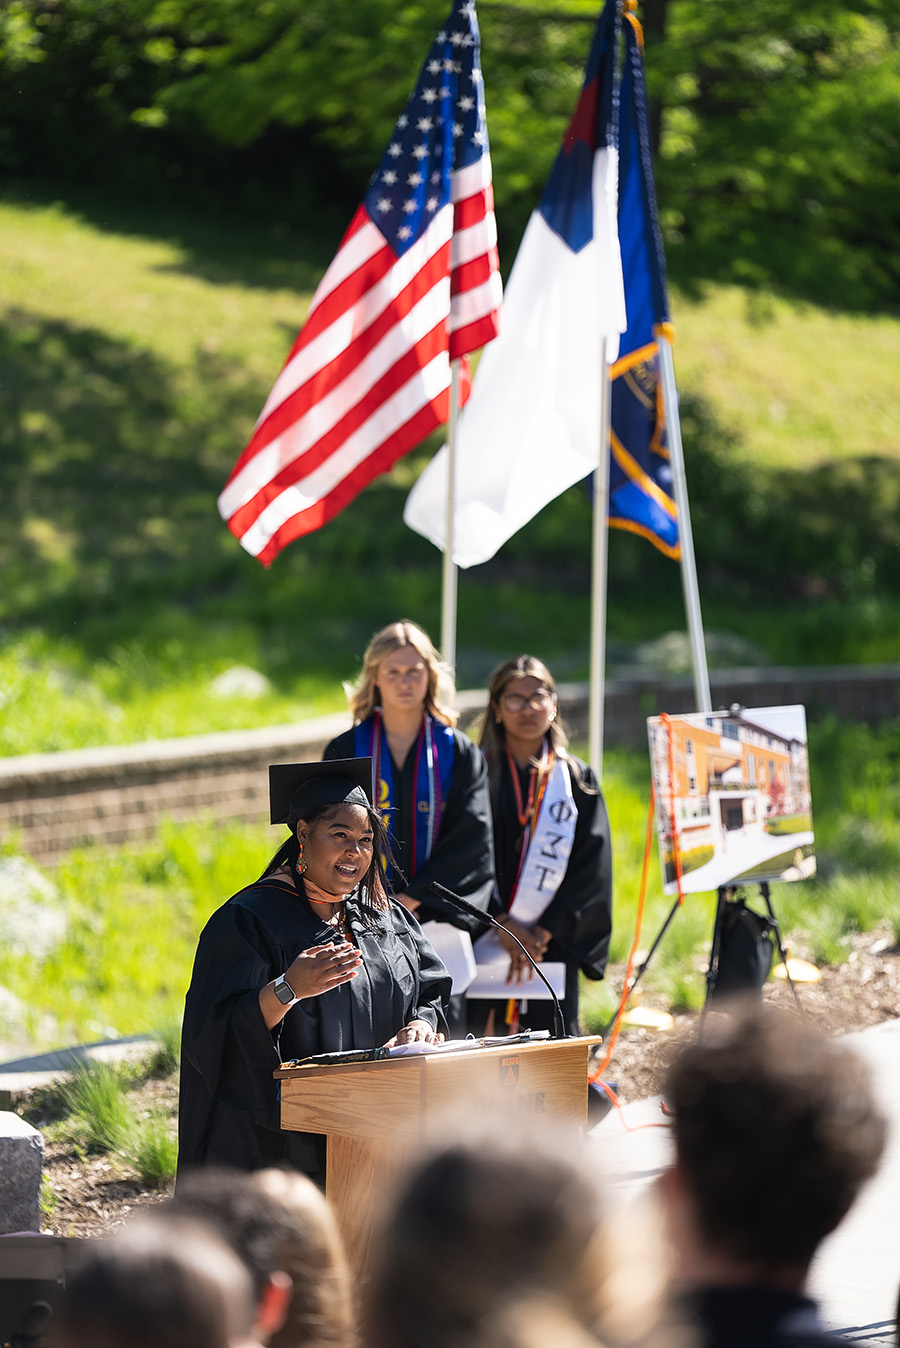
x,y
431,790
552,855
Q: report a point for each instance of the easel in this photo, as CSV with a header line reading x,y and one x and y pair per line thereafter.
x,y
726,895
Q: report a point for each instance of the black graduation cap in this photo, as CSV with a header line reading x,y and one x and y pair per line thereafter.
x,y
295,788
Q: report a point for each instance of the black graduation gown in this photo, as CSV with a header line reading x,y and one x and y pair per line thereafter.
x,y
462,857
579,916
229,1101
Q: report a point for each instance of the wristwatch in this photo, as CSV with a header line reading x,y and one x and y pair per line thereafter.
x,y
284,992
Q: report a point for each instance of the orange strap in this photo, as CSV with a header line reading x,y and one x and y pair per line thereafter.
x,y
676,849
629,968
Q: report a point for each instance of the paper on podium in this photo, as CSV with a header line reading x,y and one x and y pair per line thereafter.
x,y
493,968
470,1042
419,1046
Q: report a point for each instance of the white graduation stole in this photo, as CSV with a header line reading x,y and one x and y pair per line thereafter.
x,y
540,876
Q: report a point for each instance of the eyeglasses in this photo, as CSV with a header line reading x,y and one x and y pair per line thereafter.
x,y
516,702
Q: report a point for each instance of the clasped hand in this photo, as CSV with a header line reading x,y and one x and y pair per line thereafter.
x,y
416,1031
534,939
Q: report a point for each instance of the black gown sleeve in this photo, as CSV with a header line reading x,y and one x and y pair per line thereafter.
x,y
579,917
228,1053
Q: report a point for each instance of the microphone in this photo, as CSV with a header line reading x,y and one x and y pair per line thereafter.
x,y
443,893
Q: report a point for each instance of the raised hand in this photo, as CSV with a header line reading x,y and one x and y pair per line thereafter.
x,y
323,967
316,970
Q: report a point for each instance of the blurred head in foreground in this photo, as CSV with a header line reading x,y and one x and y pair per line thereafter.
x,y
282,1229
157,1283
310,1252
776,1131
502,1237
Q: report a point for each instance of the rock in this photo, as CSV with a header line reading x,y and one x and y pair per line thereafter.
x,y
241,681
32,919
21,1157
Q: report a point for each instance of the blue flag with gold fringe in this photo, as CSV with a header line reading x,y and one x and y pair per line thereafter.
x,y
640,487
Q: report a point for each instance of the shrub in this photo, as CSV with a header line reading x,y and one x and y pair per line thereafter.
x,y
151,1148
95,1095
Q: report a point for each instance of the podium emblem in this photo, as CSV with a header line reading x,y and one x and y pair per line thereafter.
x,y
509,1073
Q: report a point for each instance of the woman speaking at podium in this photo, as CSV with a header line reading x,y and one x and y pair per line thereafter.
x,y
313,957
553,859
431,790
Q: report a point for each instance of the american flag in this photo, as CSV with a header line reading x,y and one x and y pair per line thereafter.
x,y
532,426
414,285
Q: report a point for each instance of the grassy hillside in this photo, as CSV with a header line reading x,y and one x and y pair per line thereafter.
x,y
136,349
798,385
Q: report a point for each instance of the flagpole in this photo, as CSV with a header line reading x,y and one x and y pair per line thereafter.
x,y
599,558
685,536
448,602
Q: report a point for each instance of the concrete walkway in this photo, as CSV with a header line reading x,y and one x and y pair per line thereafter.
x,y
856,1274
25,1074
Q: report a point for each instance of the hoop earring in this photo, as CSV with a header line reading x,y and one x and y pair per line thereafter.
x,y
301,864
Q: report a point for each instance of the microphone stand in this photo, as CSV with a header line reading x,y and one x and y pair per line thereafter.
x,y
442,892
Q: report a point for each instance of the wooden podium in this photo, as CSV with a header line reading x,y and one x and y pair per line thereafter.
x,y
377,1115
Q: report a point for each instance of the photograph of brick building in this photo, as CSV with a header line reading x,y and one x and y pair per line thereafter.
x,y
732,797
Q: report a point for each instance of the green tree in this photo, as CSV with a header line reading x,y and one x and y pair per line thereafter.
x,y
779,151
780,145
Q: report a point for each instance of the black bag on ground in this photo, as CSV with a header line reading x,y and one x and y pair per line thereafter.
x,y
745,951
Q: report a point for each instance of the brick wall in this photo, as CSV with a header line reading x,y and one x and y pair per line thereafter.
x,y
54,802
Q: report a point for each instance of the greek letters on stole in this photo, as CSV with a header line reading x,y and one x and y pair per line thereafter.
x,y
549,848
435,751
540,876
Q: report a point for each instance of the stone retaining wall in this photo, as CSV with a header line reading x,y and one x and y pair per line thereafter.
x,y
54,802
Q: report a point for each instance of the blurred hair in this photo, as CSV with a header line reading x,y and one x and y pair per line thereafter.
x,y
310,1251
363,695
492,732
278,1222
159,1282
489,1222
238,1210
532,1322
776,1130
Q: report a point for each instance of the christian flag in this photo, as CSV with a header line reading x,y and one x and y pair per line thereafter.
x,y
532,426
640,479
414,284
